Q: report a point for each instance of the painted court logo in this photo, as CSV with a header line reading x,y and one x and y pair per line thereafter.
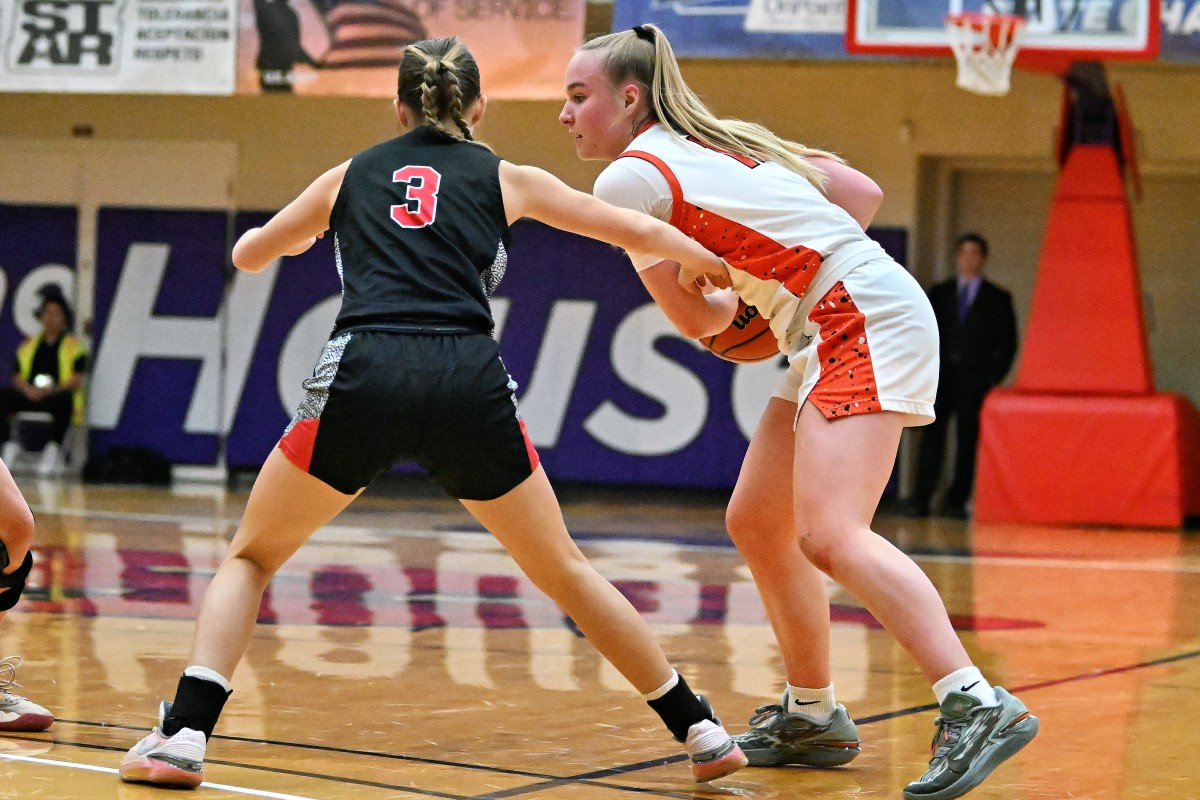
x,y
61,36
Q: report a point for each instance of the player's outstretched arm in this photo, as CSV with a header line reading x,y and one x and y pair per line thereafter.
x,y
535,193
532,192
294,229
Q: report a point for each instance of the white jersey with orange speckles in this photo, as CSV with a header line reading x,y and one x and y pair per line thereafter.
x,y
785,241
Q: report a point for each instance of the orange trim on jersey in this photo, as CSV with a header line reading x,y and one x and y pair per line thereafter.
x,y
298,444
672,181
645,126
749,251
847,383
745,249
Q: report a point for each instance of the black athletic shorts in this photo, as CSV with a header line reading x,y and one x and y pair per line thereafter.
x,y
442,400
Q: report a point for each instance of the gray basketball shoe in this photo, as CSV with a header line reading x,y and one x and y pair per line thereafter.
x,y
777,738
972,740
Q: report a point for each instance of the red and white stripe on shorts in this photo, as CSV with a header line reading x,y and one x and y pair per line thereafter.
x,y
870,344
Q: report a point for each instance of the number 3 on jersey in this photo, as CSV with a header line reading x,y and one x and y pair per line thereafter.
x,y
420,196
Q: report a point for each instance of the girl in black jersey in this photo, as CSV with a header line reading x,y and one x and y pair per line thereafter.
x,y
420,225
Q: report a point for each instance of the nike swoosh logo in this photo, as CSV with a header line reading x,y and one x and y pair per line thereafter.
x,y
968,688
808,703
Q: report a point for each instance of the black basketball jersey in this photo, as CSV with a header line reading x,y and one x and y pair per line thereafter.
x,y
420,234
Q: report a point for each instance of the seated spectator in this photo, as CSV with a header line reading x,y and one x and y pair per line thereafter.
x,y
48,376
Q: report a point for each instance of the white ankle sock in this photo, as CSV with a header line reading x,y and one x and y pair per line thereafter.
x,y
815,704
968,680
666,687
206,674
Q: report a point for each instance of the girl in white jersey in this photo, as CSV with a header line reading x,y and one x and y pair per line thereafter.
x,y
16,560
413,373
862,344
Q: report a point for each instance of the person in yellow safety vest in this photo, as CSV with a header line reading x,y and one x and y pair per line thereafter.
x,y
48,373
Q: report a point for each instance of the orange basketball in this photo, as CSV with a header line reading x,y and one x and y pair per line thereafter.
x,y
747,339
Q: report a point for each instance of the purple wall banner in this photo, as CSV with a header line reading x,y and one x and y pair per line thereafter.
x,y
37,247
159,363
609,391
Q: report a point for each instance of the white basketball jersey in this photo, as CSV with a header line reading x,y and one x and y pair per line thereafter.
x,y
783,239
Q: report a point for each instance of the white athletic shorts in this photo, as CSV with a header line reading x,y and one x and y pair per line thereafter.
x,y
869,344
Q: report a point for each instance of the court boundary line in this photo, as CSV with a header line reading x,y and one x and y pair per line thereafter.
x,y
592,778
234,764
589,778
325,748
1033,687
517,791
111,770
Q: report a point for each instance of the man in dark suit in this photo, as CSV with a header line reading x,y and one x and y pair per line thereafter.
x,y
978,341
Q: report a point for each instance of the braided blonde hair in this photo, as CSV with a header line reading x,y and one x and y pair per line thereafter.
x,y
439,79
644,56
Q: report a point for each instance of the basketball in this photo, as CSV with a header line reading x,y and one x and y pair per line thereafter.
x,y
747,339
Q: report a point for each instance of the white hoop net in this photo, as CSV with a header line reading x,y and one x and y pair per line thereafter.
x,y
985,46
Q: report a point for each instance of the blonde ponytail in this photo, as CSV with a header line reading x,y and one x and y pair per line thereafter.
x,y
645,56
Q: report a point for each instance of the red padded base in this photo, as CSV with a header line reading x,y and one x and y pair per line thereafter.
x,y
1088,459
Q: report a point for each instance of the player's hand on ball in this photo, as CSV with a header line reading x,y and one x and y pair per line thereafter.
x,y
713,271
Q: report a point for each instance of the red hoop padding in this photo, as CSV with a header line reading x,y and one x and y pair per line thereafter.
x,y
1049,62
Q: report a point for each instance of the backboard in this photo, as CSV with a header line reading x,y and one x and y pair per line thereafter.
x,y
1056,31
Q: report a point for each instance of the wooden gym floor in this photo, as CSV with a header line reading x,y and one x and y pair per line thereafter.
x,y
401,655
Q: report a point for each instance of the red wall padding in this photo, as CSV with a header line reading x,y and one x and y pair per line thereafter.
x,y
1080,459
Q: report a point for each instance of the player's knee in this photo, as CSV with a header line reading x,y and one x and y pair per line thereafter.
x,y
740,522
823,547
251,567
560,575
751,531
16,532
12,584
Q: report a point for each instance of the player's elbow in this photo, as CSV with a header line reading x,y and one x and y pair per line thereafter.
x,y
712,328
868,197
244,257
692,331
696,326
874,194
872,197
246,264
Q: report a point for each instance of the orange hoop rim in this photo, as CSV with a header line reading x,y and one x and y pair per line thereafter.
x,y
962,18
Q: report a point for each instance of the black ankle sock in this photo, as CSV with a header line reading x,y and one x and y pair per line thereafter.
x,y
197,705
680,709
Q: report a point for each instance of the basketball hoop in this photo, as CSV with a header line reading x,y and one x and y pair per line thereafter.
x,y
985,46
